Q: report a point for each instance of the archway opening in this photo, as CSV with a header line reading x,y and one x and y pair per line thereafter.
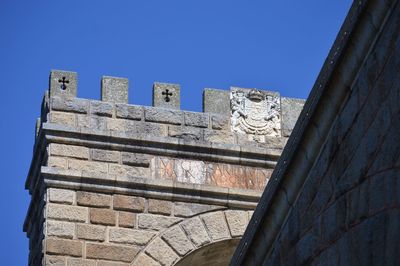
x,y
217,253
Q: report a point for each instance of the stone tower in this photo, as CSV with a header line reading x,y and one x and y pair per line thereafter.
x,y
120,184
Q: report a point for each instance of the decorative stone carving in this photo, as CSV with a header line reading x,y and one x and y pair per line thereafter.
x,y
211,173
255,112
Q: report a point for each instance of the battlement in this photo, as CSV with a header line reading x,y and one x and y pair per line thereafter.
x,y
224,110
247,127
150,166
244,127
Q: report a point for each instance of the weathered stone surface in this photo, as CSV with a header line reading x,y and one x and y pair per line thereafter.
x,y
88,166
102,216
128,203
161,115
130,236
98,123
195,119
101,108
97,177
111,252
79,106
67,213
80,262
184,209
92,123
160,251
291,109
147,129
250,214
93,199
133,112
60,229
114,89
194,228
237,222
234,176
187,171
251,140
90,232
177,239
186,133
144,260
135,159
155,222
160,206
57,162
218,253
268,142
64,196
64,119
255,112
63,84
54,260
129,171
111,263
117,124
83,121
106,155
166,95
218,136
216,225
218,174
220,122
126,219
69,151
216,101
64,247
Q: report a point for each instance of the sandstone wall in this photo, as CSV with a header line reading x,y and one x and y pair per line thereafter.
x,y
120,184
86,228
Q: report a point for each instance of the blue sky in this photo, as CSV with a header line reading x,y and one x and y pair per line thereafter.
x,y
272,45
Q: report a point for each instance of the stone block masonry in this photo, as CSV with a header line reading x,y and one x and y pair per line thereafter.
x,y
120,184
114,89
166,95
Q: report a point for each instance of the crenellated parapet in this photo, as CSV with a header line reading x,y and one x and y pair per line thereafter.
x,y
243,114
106,173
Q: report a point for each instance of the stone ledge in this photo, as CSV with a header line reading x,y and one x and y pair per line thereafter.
x,y
69,105
177,146
163,146
151,188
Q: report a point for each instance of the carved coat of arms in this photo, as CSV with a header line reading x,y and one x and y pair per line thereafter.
x,y
255,112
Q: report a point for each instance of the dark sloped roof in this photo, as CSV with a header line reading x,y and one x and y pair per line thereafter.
x,y
352,45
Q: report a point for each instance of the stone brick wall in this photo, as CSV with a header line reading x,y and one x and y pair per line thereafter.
x,y
86,228
347,210
90,116
120,184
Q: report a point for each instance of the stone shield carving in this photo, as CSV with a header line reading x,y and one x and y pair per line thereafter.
x,y
255,112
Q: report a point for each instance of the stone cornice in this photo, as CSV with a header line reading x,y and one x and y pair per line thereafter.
x,y
151,188
180,148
